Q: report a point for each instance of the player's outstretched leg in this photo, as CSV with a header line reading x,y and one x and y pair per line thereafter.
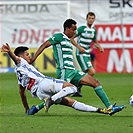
x,y
114,109
78,93
32,110
48,103
102,111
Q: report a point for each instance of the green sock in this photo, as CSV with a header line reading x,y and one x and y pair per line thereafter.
x,y
102,95
40,106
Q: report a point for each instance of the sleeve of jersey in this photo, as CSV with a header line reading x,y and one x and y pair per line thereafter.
x,y
18,65
79,31
95,35
21,62
54,39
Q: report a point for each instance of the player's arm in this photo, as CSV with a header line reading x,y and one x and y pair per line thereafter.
x,y
40,50
97,45
23,97
6,48
81,49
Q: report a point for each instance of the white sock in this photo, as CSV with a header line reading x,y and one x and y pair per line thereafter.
x,y
64,92
110,106
83,107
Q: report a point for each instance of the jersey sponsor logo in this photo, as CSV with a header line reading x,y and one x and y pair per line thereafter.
x,y
31,83
91,35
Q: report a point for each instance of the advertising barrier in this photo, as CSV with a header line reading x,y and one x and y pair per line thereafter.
x,y
45,62
32,23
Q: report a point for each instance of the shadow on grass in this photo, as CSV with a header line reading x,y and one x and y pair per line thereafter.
x,y
63,115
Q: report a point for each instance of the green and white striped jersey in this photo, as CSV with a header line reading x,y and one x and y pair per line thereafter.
x,y
85,36
62,49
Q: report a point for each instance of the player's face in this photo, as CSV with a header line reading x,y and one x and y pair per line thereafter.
x,y
26,56
90,20
72,30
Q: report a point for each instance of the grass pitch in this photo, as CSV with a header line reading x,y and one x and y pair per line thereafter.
x,y
64,119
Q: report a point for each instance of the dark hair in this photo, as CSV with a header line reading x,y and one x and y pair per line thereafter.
x,y
68,23
20,50
91,14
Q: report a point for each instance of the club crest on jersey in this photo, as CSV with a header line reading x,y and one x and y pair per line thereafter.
x,y
91,35
53,38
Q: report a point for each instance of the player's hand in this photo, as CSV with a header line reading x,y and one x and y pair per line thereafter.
x,y
101,49
5,48
81,49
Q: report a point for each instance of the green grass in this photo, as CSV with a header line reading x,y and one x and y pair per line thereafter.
x,y
63,119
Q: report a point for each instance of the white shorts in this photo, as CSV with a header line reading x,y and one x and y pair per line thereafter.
x,y
48,87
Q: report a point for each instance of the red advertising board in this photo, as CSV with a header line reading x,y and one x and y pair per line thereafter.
x,y
114,60
117,41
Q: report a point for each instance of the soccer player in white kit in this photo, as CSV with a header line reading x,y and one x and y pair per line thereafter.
x,y
52,91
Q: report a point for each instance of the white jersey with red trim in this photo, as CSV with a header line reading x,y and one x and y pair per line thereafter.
x,y
28,76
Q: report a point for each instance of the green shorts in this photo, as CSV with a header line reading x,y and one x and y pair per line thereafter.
x,y
68,75
84,62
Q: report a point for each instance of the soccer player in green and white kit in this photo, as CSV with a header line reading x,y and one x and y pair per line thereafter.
x,y
85,36
66,71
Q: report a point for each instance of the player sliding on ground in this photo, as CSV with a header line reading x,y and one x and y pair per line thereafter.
x,y
50,90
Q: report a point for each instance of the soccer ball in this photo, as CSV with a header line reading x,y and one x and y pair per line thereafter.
x,y
131,100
